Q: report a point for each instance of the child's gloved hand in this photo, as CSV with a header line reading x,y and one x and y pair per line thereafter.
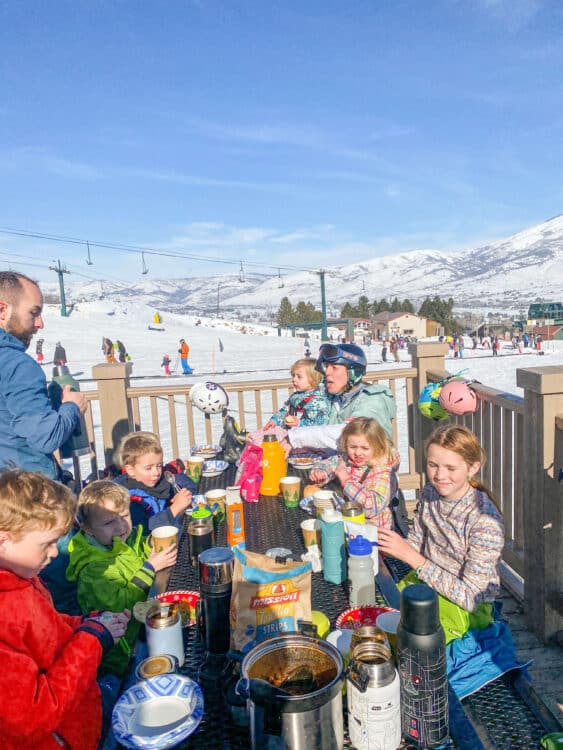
x,y
163,559
180,502
292,420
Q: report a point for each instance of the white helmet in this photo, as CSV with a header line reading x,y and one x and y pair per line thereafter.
x,y
210,398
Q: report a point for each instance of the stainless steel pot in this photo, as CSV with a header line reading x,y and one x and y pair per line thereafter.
x,y
293,686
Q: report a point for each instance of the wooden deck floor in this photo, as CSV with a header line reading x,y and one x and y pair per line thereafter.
x,y
547,668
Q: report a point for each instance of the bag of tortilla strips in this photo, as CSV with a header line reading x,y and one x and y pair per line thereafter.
x,y
269,598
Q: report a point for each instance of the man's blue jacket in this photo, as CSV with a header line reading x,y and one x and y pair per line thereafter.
x,y
30,429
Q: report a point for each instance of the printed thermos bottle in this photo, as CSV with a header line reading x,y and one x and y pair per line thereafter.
x,y
274,466
421,657
373,694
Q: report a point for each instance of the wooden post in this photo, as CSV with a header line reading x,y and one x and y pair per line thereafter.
x,y
425,357
115,407
543,537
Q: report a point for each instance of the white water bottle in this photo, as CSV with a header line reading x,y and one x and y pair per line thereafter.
x,y
164,632
360,572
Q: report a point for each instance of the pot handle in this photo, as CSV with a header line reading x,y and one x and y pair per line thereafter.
x,y
267,697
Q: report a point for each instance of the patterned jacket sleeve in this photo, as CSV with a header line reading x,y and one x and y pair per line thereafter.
x,y
374,493
473,587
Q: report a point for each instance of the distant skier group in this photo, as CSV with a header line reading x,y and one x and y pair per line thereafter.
x,y
111,349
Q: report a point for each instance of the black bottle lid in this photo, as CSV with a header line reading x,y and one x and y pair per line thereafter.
x,y
270,438
419,609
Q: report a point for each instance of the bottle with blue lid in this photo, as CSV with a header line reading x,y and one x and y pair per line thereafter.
x,y
361,575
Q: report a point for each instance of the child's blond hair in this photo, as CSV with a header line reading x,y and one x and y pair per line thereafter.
x,y
308,364
30,501
99,493
373,433
136,444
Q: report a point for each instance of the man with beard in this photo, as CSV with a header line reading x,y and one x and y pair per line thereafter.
x,y
30,429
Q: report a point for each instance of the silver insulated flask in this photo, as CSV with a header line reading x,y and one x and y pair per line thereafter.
x,y
215,585
373,694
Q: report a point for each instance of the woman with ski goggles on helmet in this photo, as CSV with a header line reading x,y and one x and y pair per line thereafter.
x,y
343,366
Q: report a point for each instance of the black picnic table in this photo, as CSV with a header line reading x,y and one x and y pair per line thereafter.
x,y
495,718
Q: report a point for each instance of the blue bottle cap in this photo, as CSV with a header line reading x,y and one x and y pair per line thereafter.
x,y
359,545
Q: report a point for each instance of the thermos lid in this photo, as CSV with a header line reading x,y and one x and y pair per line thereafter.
x,y
270,438
419,609
331,516
216,566
202,512
359,545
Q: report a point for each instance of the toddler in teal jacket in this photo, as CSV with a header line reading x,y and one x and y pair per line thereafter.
x,y
113,562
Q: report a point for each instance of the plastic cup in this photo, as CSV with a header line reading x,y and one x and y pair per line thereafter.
x,y
290,489
195,467
311,529
163,537
322,499
389,622
322,622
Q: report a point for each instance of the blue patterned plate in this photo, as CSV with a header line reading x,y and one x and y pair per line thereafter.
x,y
213,468
158,713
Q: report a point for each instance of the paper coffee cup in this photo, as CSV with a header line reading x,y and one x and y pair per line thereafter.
x,y
219,497
389,622
311,529
163,537
290,489
195,467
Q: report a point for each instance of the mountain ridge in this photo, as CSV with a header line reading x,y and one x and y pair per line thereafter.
x,y
506,275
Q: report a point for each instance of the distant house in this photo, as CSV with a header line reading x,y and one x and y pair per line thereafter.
x,y
405,324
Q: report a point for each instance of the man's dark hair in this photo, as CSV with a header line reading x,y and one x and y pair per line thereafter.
x,y
11,285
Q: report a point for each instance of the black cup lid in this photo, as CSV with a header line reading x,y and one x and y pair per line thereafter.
x,y
270,438
419,609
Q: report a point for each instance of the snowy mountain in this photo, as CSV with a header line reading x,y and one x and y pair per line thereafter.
x,y
504,276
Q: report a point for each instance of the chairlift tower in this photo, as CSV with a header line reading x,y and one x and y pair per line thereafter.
x,y
60,270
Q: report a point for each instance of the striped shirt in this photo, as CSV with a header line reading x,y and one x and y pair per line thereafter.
x,y
462,541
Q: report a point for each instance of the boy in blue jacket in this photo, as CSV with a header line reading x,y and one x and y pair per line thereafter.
x,y
154,500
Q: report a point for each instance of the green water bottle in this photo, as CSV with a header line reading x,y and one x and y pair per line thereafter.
x,y
77,444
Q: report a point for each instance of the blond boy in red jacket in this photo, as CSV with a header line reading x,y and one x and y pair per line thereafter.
x,y
50,697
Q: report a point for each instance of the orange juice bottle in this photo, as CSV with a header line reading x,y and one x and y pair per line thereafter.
x,y
274,466
235,518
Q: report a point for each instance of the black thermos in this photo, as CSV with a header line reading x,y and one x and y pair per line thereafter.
x,y
422,669
215,585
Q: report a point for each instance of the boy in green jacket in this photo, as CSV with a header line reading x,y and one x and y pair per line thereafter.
x,y
112,562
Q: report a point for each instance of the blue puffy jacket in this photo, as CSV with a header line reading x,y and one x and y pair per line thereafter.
x,y
30,429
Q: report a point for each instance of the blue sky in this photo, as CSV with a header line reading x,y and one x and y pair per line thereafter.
x,y
281,132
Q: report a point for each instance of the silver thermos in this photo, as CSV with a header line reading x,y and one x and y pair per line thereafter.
x,y
215,586
164,631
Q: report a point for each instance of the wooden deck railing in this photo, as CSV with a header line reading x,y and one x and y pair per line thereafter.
x,y
522,437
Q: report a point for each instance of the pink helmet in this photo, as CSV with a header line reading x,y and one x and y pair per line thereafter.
x,y
456,397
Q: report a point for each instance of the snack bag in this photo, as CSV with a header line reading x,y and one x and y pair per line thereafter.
x,y
268,598
249,473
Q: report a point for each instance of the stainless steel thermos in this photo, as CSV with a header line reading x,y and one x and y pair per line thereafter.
x,y
373,694
422,669
215,585
164,631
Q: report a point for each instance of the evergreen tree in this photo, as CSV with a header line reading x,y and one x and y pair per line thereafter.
x,y
407,306
395,305
348,311
363,307
286,314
